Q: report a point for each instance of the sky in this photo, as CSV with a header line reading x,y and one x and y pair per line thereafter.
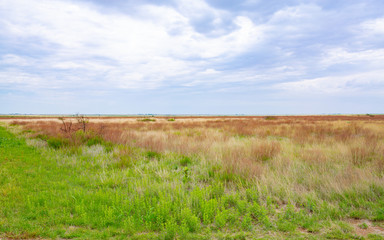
x,y
248,57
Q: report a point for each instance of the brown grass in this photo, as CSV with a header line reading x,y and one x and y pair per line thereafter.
x,y
330,153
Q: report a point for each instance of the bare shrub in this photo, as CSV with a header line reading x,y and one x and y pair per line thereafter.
x,y
82,122
67,126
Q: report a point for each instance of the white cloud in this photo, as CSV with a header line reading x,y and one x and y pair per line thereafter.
x,y
197,9
335,84
298,19
13,78
12,59
367,58
76,44
128,51
210,71
67,65
375,26
359,71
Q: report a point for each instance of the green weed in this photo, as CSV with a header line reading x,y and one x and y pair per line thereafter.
x,y
57,143
153,155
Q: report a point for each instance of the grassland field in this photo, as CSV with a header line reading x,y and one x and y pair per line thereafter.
x,y
241,177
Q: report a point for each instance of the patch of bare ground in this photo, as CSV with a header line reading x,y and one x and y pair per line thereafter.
x,y
364,227
303,230
25,236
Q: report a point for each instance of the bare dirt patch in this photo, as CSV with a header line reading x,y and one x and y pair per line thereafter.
x,y
364,227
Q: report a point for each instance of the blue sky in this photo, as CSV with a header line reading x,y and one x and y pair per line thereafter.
x,y
191,56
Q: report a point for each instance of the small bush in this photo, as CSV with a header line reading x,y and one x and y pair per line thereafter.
x,y
42,137
363,226
57,143
80,137
108,146
186,175
185,161
73,150
94,141
170,119
246,224
190,220
124,161
379,215
221,218
152,154
260,213
209,209
170,229
270,118
147,120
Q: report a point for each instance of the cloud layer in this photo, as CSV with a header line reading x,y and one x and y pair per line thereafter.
x,y
189,56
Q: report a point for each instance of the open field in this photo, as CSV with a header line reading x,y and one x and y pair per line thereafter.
x,y
242,177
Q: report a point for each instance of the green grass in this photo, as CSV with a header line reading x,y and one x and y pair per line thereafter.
x,y
96,191
147,120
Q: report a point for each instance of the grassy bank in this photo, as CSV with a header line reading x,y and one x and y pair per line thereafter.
x,y
235,179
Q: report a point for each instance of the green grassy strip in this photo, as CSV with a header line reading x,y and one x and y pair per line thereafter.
x,y
40,198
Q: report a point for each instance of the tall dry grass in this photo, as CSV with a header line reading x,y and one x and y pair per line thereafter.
x,y
289,156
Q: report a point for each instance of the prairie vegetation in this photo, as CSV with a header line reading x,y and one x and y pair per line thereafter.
x,y
194,177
